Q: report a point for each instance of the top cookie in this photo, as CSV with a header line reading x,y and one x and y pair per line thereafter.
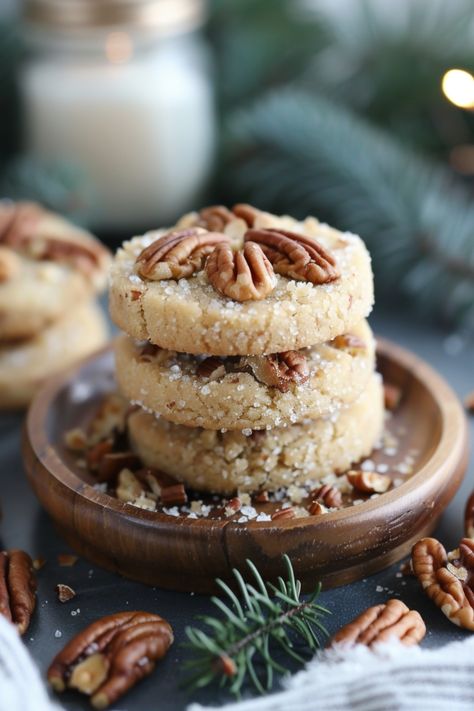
x,y
241,283
47,267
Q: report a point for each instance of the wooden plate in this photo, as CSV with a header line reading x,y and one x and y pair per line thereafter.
x,y
187,554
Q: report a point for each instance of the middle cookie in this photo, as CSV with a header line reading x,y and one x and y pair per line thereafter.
x,y
254,392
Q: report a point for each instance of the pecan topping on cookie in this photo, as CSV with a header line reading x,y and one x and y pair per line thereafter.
x,y
215,217
278,370
447,578
110,656
17,588
296,256
26,227
177,255
369,482
247,213
469,517
381,623
242,276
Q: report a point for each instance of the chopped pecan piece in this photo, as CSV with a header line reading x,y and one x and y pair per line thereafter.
x,y
328,495
212,368
112,463
65,592
382,623
278,370
97,452
109,418
129,487
17,588
392,396
110,656
369,482
281,514
178,255
350,343
469,517
242,276
447,579
296,256
174,495
316,508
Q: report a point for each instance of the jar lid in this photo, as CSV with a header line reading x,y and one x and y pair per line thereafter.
x,y
163,16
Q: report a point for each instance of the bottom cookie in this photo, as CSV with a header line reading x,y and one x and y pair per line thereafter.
x,y
26,364
225,462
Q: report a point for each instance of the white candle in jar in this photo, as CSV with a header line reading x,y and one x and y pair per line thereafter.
x,y
139,121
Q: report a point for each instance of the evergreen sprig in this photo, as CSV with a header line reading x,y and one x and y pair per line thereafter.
x,y
262,619
305,154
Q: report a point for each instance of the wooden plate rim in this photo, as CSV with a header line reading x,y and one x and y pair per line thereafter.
x,y
451,444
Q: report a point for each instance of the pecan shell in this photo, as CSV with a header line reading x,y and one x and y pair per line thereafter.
x,y
242,276
447,579
278,370
295,256
381,623
17,588
177,255
110,656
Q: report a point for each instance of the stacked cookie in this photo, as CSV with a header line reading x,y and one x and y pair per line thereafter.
x,y
246,349
50,272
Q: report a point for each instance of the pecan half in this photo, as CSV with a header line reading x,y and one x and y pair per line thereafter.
x,y
17,588
316,508
369,482
469,402
278,370
242,276
177,255
215,217
328,495
447,579
110,656
469,517
246,212
382,623
296,256
281,514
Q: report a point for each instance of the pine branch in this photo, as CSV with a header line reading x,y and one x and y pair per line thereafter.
x,y
240,646
307,155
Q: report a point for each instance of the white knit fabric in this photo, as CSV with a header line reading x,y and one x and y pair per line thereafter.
x,y
394,678
21,687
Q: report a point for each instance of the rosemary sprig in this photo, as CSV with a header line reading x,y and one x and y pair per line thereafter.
x,y
262,619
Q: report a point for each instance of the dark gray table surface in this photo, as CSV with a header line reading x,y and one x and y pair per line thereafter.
x,y
25,525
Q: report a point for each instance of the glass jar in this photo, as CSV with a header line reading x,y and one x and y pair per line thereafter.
x,y
121,88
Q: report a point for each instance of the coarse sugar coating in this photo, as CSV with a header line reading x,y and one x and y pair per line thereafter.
x,y
225,462
237,393
189,315
24,365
